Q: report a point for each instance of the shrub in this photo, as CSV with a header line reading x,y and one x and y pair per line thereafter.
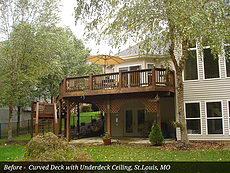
x,y
86,109
49,147
155,136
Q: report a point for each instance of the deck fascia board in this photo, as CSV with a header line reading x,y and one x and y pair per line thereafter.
x,y
118,91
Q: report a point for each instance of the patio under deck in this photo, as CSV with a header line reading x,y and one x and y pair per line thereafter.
x,y
129,141
109,91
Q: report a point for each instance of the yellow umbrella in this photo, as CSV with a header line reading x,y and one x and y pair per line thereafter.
x,y
105,60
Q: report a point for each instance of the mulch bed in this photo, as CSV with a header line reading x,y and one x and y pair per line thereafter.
x,y
193,145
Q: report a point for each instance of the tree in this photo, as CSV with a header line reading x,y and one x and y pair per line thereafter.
x,y
71,61
155,136
27,46
159,27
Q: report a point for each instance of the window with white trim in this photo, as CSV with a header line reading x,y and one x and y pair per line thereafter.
x,y
229,115
211,65
190,69
193,118
150,66
214,118
227,57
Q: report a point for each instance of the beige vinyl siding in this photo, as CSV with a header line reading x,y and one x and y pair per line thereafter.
x,y
209,90
215,89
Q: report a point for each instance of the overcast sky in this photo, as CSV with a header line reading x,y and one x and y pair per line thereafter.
x,y
67,15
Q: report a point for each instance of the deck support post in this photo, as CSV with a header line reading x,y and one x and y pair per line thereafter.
x,y
37,114
65,84
68,121
32,118
55,119
108,116
78,118
60,118
158,114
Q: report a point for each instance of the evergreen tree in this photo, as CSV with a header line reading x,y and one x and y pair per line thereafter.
x,y
155,136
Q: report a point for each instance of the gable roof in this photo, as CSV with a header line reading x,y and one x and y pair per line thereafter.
x,y
129,51
134,50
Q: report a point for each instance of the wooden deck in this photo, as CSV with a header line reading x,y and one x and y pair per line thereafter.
x,y
111,90
147,80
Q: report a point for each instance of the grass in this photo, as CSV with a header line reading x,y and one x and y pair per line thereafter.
x,y
20,138
84,117
130,153
127,153
138,153
124,153
11,153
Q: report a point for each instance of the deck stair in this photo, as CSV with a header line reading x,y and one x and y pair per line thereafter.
x,y
46,118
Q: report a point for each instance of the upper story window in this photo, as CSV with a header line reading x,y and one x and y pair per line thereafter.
x,y
211,65
190,70
150,66
227,56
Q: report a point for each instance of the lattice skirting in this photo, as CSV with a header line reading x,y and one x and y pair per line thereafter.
x,y
116,101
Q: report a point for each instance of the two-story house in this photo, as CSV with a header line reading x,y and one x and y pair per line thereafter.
x,y
133,94
206,93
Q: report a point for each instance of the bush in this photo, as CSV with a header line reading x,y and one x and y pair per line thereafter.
x,y
49,147
86,109
155,136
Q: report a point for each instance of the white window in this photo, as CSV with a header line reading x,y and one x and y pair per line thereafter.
x,y
193,118
132,78
150,66
227,57
229,115
190,69
214,118
211,65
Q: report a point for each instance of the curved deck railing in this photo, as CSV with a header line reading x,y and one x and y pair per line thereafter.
x,y
121,79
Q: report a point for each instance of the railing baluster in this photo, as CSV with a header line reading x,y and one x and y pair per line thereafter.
x,y
91,81
153,77
145,77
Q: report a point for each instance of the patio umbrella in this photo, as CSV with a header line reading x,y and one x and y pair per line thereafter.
x,y
105,60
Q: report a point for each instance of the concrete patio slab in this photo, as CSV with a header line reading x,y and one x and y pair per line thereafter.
x,y
98,140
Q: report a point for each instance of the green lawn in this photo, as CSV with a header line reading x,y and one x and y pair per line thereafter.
x,y
20,138
129,153
124,153
138,153
84,117
11,153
